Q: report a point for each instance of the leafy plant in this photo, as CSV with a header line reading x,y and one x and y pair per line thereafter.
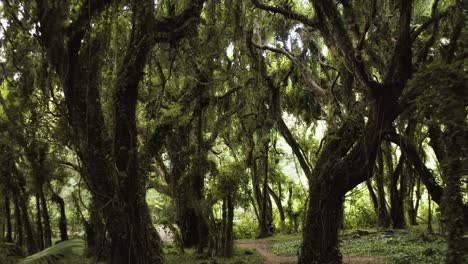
x,y
64,252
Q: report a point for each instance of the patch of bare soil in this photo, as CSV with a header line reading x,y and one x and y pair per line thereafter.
x,y
263,248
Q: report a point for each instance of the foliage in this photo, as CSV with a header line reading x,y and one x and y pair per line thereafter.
x,y
397,246
244,225
62,252
358,210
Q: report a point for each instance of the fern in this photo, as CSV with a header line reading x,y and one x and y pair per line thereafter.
x,y
61,253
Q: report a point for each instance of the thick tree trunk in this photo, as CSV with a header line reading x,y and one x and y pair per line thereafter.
x,y
320,244
110,159
187,221
134,238
326,195
452,199
98,244
9,230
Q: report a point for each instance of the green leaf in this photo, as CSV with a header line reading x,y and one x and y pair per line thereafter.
x,y
63,252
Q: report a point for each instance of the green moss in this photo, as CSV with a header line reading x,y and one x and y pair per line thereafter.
x,y
397,246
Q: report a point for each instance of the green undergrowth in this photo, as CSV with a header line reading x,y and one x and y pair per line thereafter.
x,y
241,256
397,246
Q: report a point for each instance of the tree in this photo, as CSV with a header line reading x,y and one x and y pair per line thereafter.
x,y
75,51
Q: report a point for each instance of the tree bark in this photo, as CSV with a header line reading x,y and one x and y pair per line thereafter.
x,y
279,205
9,230
31,242
63,217
46,219
112,173
397,212
382,216
39,226
18,223
452,199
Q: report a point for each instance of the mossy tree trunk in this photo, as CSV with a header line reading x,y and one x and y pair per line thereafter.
x,y
112,172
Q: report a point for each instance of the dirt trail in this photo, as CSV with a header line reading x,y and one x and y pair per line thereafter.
x,y
263,247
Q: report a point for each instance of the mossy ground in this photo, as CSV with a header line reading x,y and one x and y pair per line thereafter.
x,y
397,246
241,256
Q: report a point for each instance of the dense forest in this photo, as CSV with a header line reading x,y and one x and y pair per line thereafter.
x,y
213,131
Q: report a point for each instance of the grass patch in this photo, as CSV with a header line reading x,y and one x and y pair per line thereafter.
x,y
284,238
399,247
241,256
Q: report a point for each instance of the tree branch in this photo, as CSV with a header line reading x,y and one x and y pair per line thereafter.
x,y
434,189
287,13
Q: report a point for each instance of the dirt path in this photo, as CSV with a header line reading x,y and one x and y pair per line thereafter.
x,y
263,248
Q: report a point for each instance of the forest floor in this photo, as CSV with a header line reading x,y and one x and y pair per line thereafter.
x,y
264,248
359,247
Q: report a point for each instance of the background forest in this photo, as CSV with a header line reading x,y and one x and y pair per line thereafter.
x,y
141,131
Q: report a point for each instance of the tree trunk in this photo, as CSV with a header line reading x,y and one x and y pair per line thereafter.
x,y
326,195
98,244
266,220
31,242
413,206
39,226
63,217
228,224
383,217
429,215
9,230
452,199
109,155
46,219
373,197
397,212
320,244
279,205
18,222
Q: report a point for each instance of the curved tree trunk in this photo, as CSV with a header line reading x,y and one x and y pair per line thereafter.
x,y
63,217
